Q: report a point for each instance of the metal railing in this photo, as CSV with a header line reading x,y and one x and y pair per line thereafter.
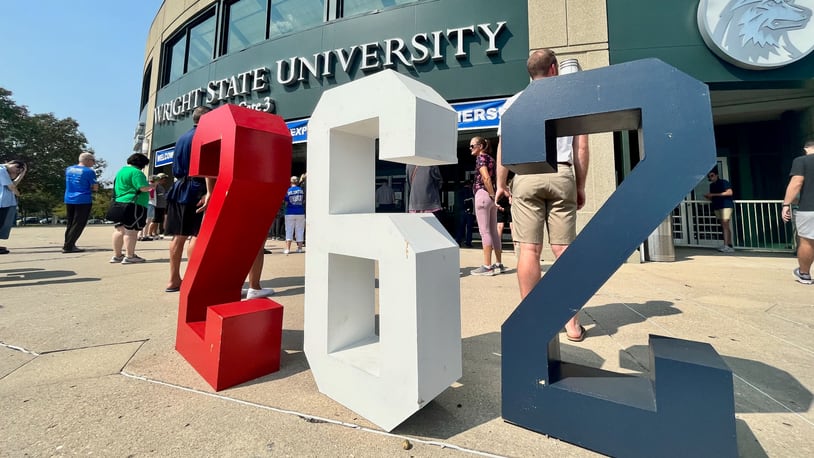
x,y
756,225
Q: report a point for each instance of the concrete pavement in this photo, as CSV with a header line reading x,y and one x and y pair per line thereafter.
x,y
88,366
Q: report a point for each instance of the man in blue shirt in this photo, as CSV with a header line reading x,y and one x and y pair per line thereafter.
x,y
80,182
185,203
294,215
720,193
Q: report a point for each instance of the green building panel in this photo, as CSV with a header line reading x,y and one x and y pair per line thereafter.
x,y
474,73
668,30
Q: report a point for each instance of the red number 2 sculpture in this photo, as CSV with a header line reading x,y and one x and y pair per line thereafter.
x,y
229,341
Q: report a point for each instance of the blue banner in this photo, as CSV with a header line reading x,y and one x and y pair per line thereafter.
x,y
164,156
299,130
483,114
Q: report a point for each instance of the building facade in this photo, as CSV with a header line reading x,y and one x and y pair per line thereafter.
x,y
278,56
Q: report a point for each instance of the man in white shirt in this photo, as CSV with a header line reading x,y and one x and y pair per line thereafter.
x,y
547,200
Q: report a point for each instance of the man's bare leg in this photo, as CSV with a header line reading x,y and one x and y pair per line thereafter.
x,y
255,289
256,271
572,327
176,253
805,254
727,230
528,267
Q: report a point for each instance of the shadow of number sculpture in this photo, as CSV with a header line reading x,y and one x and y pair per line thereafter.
x,y
686,405
229,341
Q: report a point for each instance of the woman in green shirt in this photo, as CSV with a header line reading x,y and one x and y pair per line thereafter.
x,y
130,188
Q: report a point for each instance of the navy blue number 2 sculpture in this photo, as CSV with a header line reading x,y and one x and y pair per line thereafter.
x,y
685,407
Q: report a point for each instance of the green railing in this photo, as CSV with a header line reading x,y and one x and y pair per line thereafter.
x,y
756,225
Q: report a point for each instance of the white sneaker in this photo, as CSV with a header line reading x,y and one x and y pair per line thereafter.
x,y
300,250
135,259
258,293
286,251
726,249
486,271
801,278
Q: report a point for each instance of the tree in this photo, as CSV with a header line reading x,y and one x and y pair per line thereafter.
x,y
48,145
13,121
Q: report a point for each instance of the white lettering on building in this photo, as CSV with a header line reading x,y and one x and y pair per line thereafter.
x,y
368,57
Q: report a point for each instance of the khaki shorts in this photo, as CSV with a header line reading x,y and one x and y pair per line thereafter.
x,y
545,199
724,214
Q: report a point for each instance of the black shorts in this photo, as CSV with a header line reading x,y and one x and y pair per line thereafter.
x,y
134,217
182,220
158,216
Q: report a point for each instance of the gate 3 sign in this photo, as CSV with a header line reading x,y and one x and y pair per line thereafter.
x,y
417,354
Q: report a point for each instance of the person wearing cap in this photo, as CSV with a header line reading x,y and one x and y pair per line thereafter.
x,y
720,194
546,200
159,203
294,216
80,182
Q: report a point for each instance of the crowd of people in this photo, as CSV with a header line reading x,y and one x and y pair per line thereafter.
x,y
532,205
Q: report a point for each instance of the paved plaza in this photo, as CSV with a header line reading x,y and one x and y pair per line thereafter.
x,y
88,365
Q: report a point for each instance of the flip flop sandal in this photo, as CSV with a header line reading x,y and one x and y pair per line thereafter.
x,y
580,337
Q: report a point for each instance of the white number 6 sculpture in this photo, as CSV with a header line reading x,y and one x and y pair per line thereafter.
x,y
417,352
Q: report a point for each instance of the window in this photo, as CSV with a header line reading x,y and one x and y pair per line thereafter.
x,y
193,46
246,24
354,7
175,65
201,44
293,15
145,85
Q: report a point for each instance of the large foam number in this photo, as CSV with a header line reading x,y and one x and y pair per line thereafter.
x,y
686,407
229,341
417,354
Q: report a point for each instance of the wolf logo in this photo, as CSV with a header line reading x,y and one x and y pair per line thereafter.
x,y
756,33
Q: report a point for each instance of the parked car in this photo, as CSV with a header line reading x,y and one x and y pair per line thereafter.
x,y
96,221
45,221
29,220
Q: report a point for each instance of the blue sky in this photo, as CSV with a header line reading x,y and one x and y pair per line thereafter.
x,y
81,59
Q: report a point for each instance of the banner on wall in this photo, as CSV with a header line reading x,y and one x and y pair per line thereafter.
x,y
482,114
164,156
299,130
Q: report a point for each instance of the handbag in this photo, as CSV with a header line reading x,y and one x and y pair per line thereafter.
x,y
118,210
